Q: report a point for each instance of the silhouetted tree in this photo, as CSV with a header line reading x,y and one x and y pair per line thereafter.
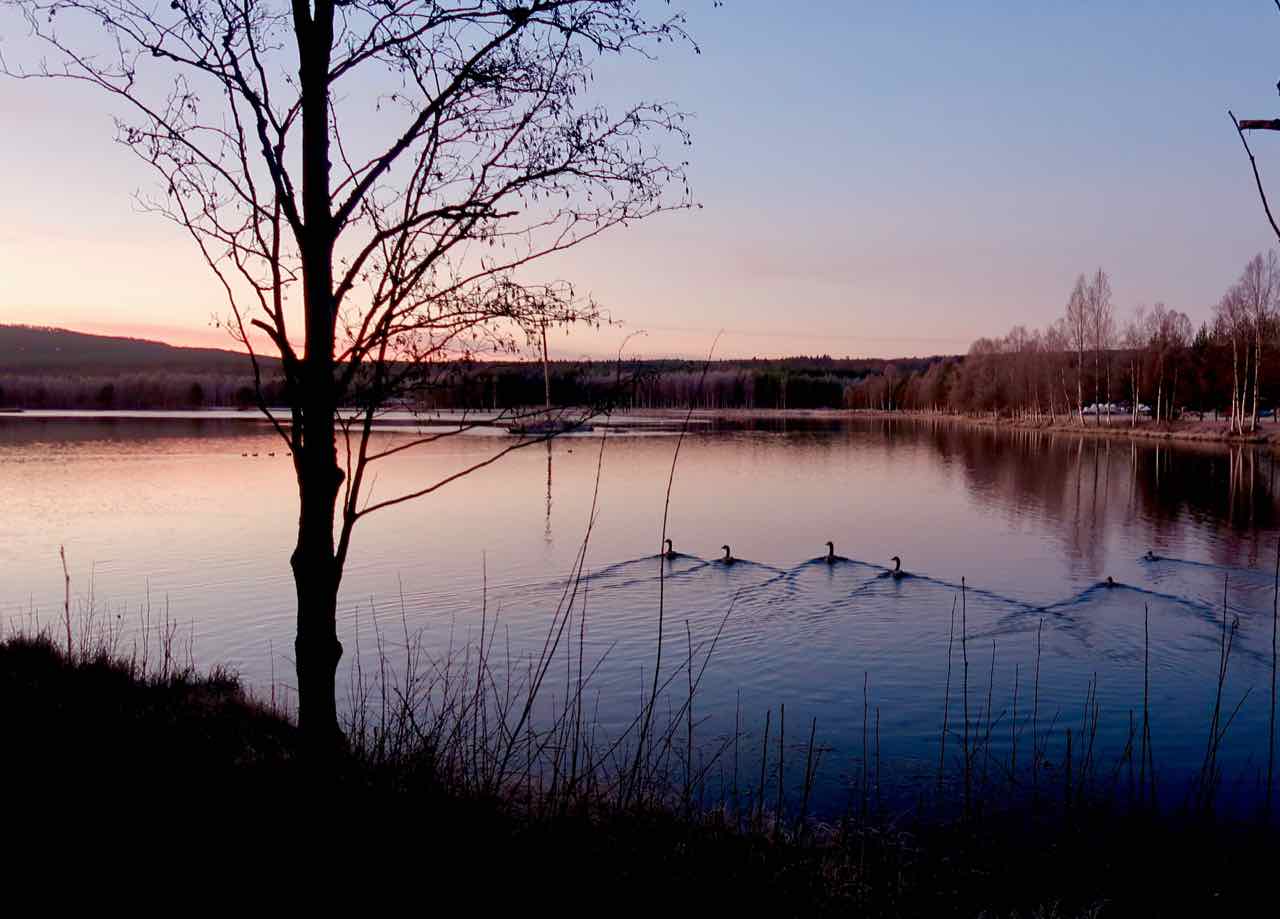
x,y
365,179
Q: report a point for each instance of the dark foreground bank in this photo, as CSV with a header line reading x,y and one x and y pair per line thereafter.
x,y
95,734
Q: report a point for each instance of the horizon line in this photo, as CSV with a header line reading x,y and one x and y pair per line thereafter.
x,y
229,347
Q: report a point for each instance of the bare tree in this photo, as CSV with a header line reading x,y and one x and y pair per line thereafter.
x,y
1020,345
1231,323
1134,340
393,166
1101,324
1169,336
892,380
1056,344
1077,319
1259,289
1102,329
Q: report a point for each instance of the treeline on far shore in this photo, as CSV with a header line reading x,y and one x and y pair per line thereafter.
x,y
795,383
1153,362
56,369
169,390
1020,375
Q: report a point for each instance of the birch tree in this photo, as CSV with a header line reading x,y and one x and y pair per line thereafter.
x,y
1099,316
1231,324
1077,324
1259,287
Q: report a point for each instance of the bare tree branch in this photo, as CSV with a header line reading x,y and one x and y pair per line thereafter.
x,y
1241,127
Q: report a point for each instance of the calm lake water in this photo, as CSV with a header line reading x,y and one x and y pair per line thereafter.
x,y
171,509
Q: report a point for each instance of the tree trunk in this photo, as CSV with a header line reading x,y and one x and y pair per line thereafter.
x,y
1133,369
1097,390
1244,389
1066,394
317,572
316,578
1080,383
1108,389
1235,387
1257,375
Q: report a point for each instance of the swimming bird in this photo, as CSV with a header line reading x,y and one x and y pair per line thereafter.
x,y
728,556
831,552
669,552
897,571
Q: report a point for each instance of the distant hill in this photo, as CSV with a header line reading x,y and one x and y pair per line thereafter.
x,y
30,349
61,369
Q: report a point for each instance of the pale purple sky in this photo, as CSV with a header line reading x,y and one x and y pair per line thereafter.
x,y
876,179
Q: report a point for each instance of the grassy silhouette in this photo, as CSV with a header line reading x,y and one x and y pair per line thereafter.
x,y
497,779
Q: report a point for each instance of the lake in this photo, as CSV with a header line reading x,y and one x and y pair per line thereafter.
x,y
190,514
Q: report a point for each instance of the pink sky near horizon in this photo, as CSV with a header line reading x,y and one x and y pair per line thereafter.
x,y
913,179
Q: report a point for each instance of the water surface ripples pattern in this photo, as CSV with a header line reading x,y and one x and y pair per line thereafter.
x,y
180,511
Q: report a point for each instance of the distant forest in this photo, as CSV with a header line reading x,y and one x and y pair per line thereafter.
x,y
58,369
1154,363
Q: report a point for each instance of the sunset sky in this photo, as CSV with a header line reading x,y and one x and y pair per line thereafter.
x,y
876,179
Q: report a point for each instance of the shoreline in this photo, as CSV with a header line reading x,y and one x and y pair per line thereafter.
x,y
179,738
1187,431
1184,431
